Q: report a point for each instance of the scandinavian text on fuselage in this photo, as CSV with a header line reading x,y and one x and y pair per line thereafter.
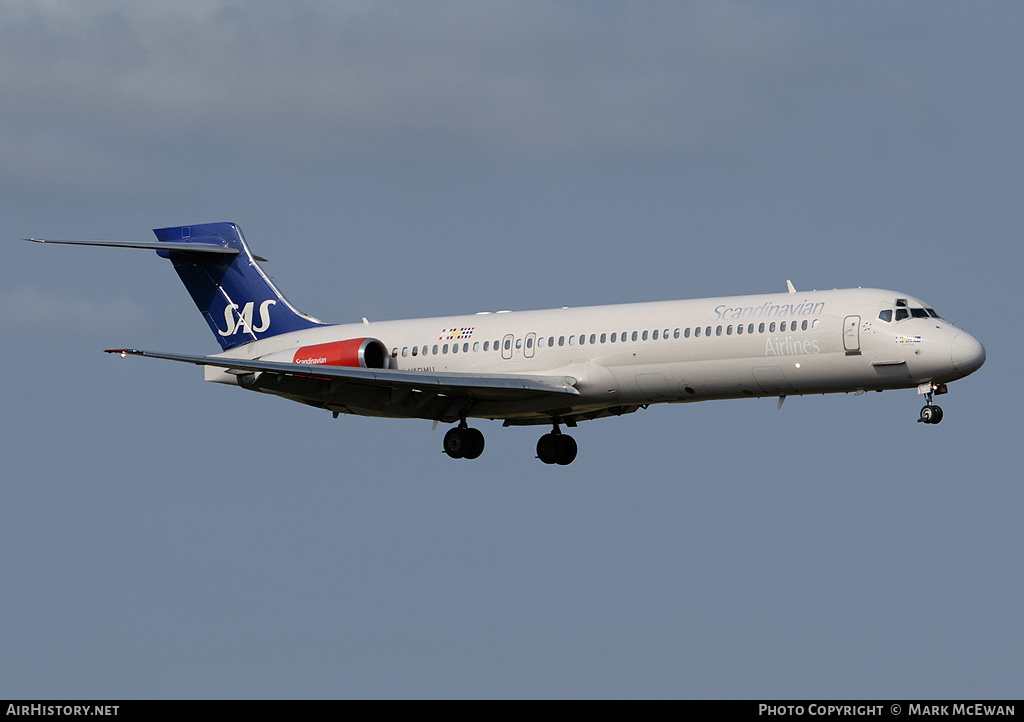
x,y
768,309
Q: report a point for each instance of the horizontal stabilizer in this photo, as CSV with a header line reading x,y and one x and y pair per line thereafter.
x,y
188,247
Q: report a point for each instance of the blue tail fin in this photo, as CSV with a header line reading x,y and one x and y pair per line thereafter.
x,y
236,298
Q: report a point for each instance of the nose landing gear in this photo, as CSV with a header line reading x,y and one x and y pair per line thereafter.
x,y
931,414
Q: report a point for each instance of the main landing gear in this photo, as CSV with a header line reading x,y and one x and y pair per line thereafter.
x,y
556,448
462,442
932,414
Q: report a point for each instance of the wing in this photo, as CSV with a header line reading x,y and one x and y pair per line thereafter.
x,y
388,392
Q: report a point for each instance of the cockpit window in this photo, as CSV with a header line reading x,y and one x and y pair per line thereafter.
x,y
904,312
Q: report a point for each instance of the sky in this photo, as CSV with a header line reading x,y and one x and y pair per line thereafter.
x,y
161,537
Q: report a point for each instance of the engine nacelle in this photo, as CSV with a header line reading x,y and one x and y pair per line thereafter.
x,y
369,353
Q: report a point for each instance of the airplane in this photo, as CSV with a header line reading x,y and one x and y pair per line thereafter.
x,y
553,367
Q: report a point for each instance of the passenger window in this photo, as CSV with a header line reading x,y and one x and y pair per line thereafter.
x,y
561,340
486,345
696,332
771,327
444,349
455,348
613,338
739,329
643,337
902,313
634,337
675,334
508,344
529,342
394,352
760,328
728,330
572,340
686,333
803,325
519,343
604,337
655,336
707,330
593,338
718,331
782,327
665,335
415,350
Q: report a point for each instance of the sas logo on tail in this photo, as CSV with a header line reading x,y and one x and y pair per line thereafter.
x,y
242,321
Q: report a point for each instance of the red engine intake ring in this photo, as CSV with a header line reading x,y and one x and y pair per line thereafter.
x,y
368,353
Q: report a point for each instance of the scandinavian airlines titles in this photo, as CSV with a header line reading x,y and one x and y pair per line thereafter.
x,y
768,310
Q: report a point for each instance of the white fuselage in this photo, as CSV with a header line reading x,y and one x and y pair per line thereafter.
x,y
629,355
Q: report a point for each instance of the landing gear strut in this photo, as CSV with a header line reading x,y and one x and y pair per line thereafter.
x,y
462,442
930,414
556,448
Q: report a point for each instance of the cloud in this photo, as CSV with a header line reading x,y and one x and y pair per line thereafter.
x,y
341,79
44,313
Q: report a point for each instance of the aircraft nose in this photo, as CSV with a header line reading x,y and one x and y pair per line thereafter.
x,y
967,354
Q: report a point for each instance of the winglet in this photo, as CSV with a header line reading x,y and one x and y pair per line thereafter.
x,y
789,285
